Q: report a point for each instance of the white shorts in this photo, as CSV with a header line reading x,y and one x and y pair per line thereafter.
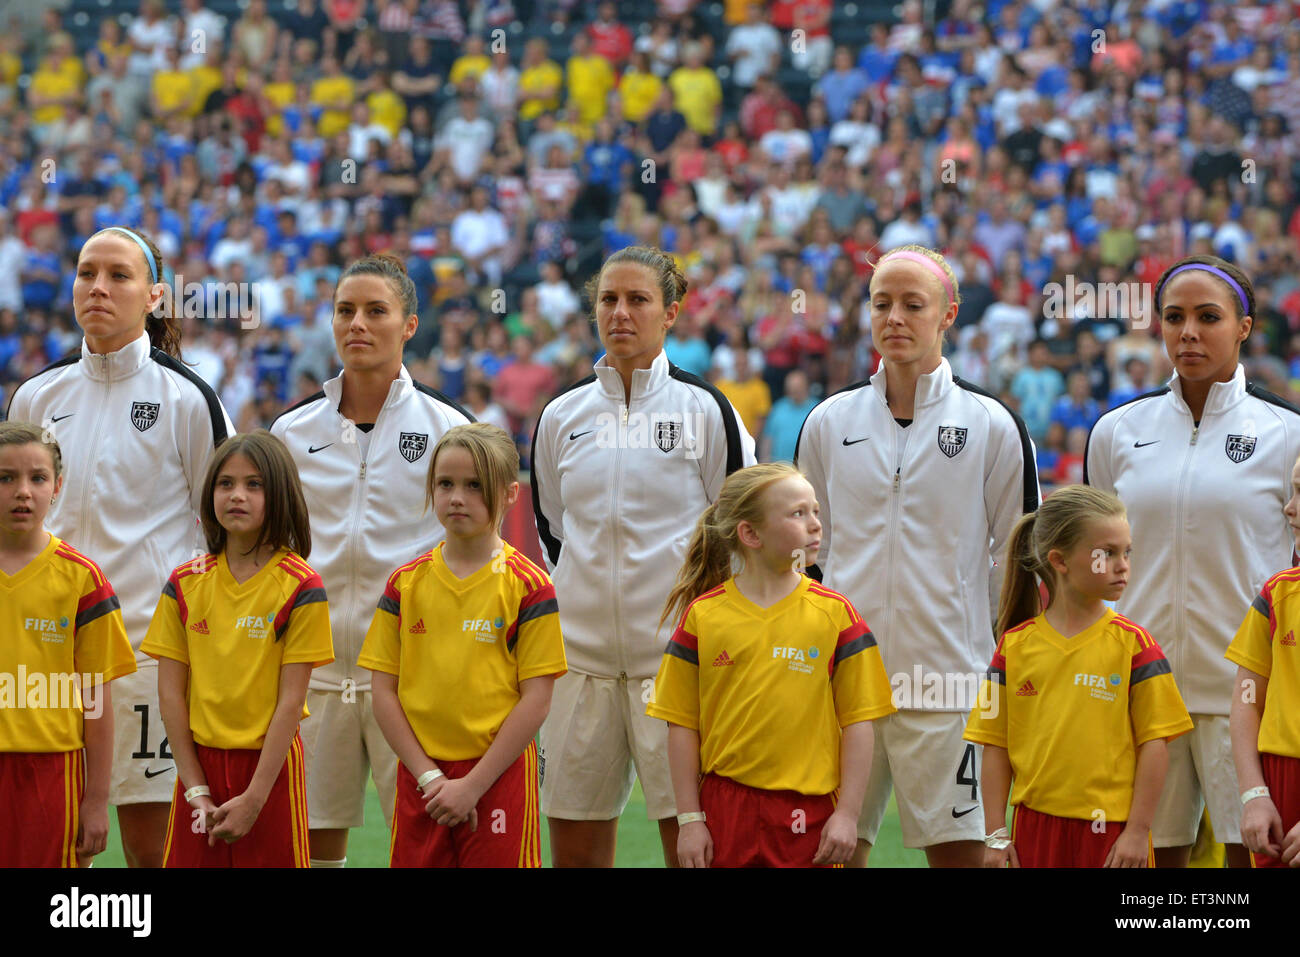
x,y
1201,773
595,742
342,745
143,768
934,773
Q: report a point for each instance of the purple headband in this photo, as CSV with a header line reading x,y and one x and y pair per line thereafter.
x,y
927,262
1241,293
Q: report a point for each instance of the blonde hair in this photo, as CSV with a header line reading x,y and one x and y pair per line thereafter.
x,y
26,433
496,463
716,540
934,257
1058,524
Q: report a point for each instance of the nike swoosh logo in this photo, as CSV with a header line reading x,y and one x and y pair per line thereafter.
x,y
578,435
855,441
1142,445
60,418
154,774
965,812
312,451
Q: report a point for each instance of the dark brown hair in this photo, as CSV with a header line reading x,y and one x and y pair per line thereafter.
x,y
285,522
391,268
669,277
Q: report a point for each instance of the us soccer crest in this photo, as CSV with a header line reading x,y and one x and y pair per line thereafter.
x,y
144,415
1240,447
951,440
667,435
412,445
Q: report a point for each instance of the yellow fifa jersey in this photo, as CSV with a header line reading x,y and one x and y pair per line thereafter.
x,y
173,89
461,646
768,689
536,78
467,65
1266,644
639,92
591,79
329,92
751,398
236,638
1072,712
697,94
11,67
60,627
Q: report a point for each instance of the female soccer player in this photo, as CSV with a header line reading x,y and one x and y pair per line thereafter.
x,y
236,634
464,651
1203,467
361,446
61,625
621,463
1265,718
139,428
774,738
921,477
1084,734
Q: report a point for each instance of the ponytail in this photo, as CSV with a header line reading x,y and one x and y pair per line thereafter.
x,y
707,565
1059,524
1020,599
716,539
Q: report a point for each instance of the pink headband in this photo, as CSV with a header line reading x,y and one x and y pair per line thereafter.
x,y
927,262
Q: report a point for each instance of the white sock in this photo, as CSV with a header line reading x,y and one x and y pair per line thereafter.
x,y
316,863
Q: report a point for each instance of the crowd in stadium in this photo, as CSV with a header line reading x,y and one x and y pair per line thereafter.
x,y
776,150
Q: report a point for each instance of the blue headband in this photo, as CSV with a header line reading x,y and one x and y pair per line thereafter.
x,y
144,248
1241,293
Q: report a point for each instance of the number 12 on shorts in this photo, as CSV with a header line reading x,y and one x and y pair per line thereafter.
x,y
144,752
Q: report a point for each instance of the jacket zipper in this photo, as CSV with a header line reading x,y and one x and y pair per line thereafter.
x,y
97,438
618,544
891,530
353,535
1180,619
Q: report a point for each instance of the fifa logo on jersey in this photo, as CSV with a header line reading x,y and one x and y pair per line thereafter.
x,y
797,658
1099,686
258,627
483,628
48,628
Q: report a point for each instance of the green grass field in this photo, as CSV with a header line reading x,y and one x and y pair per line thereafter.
x,y
638,840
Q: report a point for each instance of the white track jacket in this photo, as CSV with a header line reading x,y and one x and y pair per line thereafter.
x,y
617,490
914,520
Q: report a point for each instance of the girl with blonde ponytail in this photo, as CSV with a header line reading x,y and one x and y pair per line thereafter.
x,y
1092,702
760,720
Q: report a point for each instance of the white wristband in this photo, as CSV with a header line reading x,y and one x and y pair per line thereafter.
x,y
690,817
1259,792
998,840
199,790
428,776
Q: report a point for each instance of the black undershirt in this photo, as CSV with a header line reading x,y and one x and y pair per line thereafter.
x,y
903,423
366,427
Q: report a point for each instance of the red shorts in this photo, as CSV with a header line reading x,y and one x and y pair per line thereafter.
x,y
1045,840
41,796
752,827
1282,775
509,826
278,837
